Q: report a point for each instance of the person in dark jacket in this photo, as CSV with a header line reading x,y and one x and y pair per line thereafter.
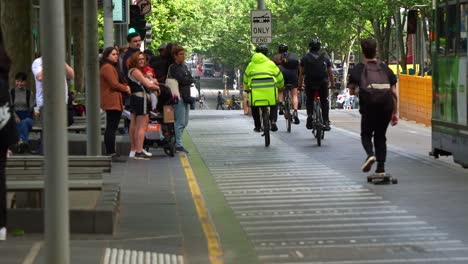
x,y
8,135
161,63
181,73
220,101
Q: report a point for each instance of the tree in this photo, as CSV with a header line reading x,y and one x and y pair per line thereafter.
x,y
17,37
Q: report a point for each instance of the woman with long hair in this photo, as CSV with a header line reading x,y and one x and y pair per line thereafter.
x,y
140,103
113,84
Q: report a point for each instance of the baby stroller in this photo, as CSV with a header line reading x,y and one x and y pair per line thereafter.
x,y
160,134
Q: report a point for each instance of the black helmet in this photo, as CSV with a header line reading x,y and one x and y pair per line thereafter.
x,y
263,49
282,47
315,44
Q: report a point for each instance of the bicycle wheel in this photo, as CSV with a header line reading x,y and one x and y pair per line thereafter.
x,y
287,113
319,133
266,126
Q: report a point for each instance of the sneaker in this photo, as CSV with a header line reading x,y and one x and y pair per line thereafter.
x,y
141,156
3,234
181,149
149,154
274,127
380,168
326,127
132,154
258,129
281,111
309,123
116,158
366,167
296,118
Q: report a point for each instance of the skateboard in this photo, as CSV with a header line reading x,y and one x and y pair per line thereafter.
x,y
378,178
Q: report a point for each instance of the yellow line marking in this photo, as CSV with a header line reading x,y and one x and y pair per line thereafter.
x,y
214,247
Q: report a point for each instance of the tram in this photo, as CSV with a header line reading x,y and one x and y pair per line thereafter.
x,y
449,75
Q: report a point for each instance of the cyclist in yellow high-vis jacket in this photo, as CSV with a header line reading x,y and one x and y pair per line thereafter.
x,y
262,67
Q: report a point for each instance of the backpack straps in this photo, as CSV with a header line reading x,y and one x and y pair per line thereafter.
x,y
12,95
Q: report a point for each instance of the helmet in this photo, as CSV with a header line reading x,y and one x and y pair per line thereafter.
x,y
282,47
263,49
315,44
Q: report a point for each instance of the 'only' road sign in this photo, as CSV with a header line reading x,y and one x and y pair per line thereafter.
x,y
260,26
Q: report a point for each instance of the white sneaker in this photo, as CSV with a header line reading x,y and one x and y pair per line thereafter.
x,y
132,153
3,234
149,154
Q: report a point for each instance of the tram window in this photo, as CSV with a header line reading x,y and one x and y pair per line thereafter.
x,y
441,19
463,28
452,28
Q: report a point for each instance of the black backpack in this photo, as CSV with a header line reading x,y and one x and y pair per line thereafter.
x,y
374,87
315,69
289,61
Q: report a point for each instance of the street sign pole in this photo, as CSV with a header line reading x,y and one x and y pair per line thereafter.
x,y
260,4
108,24
56,218
93,116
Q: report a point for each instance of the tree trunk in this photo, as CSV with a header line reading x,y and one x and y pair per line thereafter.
x,y
78,43
15,26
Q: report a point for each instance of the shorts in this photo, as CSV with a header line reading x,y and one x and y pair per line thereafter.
x,y
137,105
290,77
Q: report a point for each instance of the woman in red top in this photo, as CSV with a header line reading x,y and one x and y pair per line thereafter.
x,y
113,84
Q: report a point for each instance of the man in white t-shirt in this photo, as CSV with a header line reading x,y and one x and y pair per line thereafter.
x,y
38,73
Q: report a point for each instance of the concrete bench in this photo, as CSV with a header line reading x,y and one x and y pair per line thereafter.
x,y
79,125
104,163
31,182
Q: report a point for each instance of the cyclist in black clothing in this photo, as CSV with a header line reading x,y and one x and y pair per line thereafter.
x,y
315,71
288,63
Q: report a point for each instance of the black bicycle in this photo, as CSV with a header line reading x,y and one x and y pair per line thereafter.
x,y
317,119
287,103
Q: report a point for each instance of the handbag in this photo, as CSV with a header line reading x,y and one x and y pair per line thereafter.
x,y
172,83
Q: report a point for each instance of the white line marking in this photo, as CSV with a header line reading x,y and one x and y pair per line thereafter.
x,y
32,254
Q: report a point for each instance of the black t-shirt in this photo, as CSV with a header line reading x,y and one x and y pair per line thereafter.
x,y
354,75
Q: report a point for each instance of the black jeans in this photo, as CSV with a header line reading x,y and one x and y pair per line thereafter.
x,y
323,93
3,194
256,115
374,124
112,123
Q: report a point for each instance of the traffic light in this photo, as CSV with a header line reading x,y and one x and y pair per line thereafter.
x,y
412,21
137,21
148,35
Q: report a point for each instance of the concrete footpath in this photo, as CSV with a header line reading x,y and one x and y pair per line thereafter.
x,y
157,216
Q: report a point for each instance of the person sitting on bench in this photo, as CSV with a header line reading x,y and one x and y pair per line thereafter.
x,y
23,100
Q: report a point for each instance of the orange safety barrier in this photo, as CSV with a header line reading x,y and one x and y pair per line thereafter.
x,y
415,98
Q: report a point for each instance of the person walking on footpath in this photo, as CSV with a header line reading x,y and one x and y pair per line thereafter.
x,y
375,84
220,101
179,71
8,136
113,84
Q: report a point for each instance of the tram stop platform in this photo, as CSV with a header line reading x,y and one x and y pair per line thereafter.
x,y
232,200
